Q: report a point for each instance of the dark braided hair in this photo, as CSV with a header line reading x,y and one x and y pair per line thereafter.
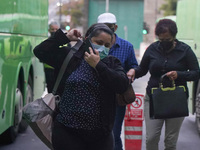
x,y
165,25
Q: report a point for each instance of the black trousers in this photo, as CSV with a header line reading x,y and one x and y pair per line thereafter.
x,y
64,138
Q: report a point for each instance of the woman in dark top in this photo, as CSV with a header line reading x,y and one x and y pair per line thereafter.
x,y
175,59
87,107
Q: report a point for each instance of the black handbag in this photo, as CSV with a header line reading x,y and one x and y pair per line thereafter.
x,y
168,102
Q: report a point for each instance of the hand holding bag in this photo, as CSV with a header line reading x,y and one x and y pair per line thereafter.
x,y
127,97
40,113
168,102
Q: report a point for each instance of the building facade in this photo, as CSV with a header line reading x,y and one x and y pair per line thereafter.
x,y
151,14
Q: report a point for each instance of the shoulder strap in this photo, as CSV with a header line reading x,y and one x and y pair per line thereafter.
x,y
65,64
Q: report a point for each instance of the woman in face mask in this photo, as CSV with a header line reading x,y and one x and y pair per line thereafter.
x,y
97,39
87,106
175,59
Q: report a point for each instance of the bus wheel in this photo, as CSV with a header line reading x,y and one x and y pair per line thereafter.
x,y
10,134
29,98
198,112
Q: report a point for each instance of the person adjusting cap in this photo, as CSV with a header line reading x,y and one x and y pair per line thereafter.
x,y
107,18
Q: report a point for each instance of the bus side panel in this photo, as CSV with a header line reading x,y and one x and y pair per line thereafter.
x,y
16,50
191,96
23,25
6,15
38,76
188,22
30,17
197,30
24,17
8,73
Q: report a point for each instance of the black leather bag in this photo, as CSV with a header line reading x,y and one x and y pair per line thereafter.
x,y
168,102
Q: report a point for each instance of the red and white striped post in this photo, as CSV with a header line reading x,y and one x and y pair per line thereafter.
x,y
134,123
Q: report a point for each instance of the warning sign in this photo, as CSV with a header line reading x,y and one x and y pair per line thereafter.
x,y
134,111
133,124
137,103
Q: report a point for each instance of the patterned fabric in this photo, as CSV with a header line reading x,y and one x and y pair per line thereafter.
x,y
124,51
80,103
49,52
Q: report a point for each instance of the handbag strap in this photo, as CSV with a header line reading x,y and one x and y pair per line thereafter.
x,y
161,81
65,64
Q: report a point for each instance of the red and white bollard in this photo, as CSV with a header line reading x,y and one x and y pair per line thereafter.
x,y
133,123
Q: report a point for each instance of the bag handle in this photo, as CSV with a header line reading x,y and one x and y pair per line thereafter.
x,y
65,64
161,80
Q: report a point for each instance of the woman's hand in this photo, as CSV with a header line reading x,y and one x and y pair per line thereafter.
x,y
92,59
172,75
131,74
73,35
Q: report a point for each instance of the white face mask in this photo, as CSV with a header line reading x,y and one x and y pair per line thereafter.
x,y
103,51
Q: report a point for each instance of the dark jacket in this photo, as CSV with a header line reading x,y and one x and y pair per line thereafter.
x,y
181,59
109,69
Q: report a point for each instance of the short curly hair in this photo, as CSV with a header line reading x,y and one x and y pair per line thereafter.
x,y
165,25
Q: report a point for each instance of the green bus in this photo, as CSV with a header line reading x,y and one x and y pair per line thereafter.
x,y
188,22
23,25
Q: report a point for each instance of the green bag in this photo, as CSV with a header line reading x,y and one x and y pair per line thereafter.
x,y
168,102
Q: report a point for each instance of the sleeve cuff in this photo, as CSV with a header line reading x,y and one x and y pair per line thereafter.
x,y
61,37
100,67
